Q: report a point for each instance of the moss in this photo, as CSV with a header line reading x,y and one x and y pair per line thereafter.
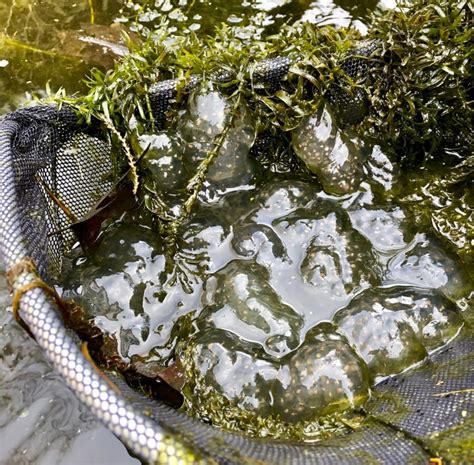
x,y
424,94
220,412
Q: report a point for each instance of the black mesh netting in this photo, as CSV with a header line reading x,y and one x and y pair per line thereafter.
x,y
53,170
56,163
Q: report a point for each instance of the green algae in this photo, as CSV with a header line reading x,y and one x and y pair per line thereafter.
x,y
454,443
443,198
222,413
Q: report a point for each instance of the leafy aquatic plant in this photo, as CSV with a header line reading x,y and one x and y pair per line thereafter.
x,y
418,81
413,89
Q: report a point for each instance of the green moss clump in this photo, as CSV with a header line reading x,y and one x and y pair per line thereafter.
x,y
422,97
455,443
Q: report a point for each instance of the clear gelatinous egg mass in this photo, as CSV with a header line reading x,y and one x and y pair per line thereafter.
x,y
283,302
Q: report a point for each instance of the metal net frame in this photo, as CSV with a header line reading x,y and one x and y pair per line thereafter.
x,y
47,159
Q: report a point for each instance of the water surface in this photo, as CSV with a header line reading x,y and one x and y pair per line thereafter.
x,y
43,44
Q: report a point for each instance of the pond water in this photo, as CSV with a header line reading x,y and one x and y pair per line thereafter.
x,y
251,242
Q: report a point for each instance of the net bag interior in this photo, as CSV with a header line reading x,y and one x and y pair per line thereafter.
x,y
410,418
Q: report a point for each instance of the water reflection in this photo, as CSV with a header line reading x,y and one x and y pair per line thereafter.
x,y
254,18
36,37
41,420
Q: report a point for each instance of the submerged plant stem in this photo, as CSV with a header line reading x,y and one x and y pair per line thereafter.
x,y
7,41
91,9
196,182
131,160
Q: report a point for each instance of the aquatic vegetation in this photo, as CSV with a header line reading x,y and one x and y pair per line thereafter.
x,y
163,171
252,19
402,83
281,301
423,102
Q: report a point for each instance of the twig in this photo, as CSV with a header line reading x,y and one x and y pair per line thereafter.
x,y
448,393
10,16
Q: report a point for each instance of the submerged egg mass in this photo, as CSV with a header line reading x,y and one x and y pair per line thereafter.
x,y
241,301
309,248
424,263
336,158
281,303
384,228
393,328
206,118
338,259
323,376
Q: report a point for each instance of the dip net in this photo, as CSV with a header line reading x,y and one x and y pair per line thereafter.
x,y
54,167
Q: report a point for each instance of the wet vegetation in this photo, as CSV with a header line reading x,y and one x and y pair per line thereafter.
x,y
208,310
268,290
412,96
418,80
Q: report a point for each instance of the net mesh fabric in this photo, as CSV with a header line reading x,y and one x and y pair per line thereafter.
x,y
46,156
55,162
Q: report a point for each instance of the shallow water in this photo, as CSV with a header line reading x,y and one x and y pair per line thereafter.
x,y
41,421
283,300
251,243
